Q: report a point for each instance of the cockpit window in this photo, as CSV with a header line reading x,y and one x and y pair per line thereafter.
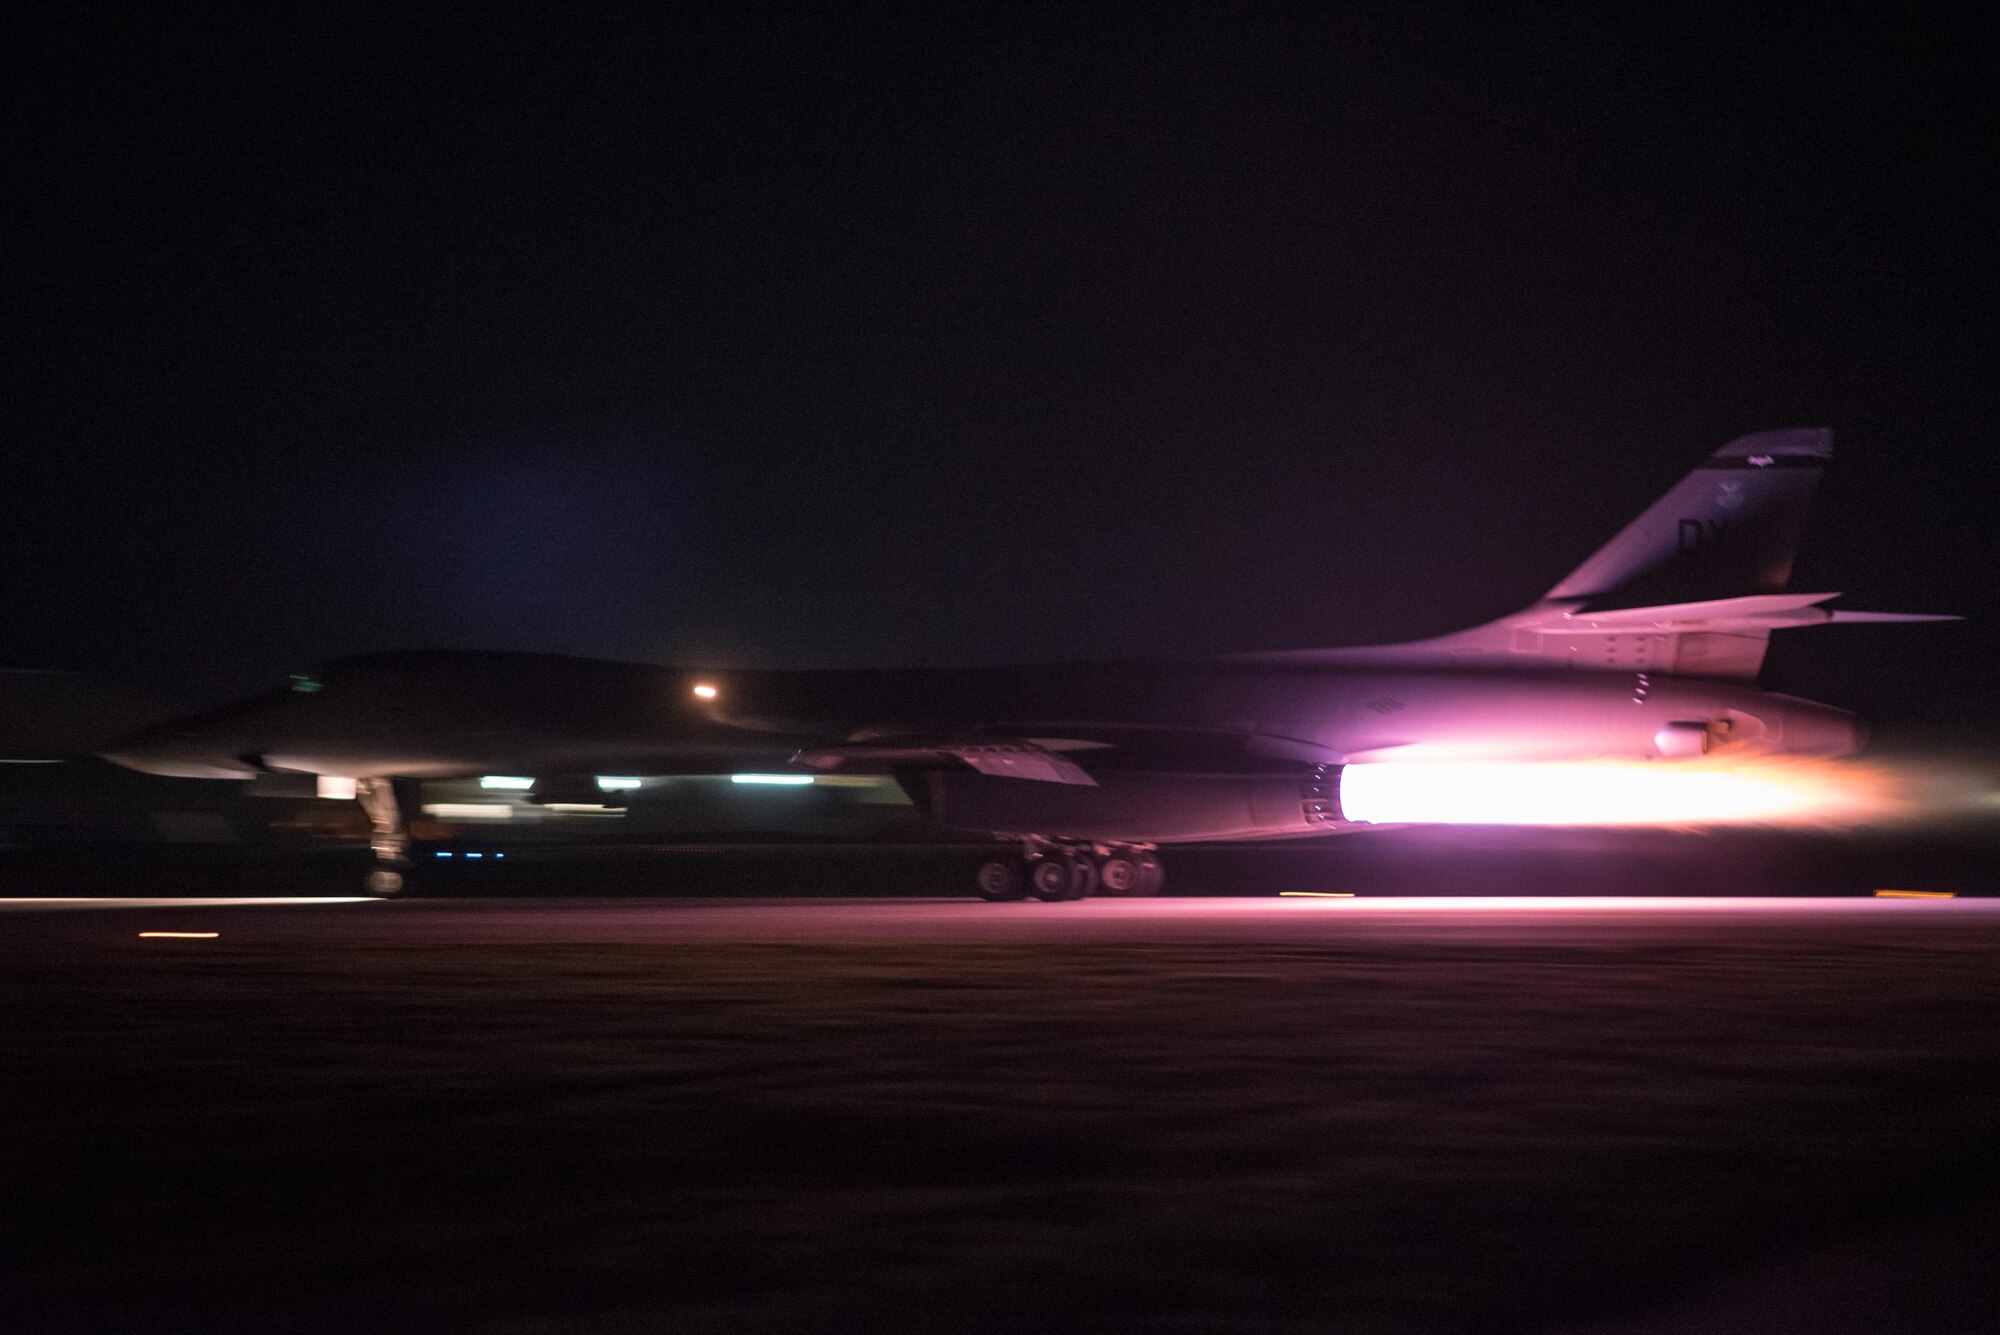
x,y
307,682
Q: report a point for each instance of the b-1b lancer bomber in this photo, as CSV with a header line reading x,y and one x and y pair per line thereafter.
x,y
1649,650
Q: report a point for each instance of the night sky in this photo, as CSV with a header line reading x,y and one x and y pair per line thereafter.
x,y
936,339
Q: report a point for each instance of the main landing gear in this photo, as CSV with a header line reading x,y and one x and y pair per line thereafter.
x,y
390,804
1055,872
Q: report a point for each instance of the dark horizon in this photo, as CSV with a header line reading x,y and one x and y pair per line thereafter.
x,y
866,345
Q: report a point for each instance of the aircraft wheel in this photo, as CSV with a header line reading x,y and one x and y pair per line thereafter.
x,y
1118,874
1053,878
1152,875
384,882
1000,879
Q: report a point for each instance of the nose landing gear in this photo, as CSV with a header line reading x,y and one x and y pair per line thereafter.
x,y
390,803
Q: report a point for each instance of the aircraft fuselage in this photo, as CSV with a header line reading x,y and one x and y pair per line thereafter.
x,y
449,714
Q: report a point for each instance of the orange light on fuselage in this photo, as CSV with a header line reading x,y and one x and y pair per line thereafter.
x,y
705,690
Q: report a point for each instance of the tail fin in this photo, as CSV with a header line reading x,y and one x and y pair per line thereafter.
x,y
1728,530
1693,587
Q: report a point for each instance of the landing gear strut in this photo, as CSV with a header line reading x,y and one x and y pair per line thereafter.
x,y
390,803
1059,872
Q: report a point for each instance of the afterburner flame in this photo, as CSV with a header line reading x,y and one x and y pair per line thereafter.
x,y
1751,792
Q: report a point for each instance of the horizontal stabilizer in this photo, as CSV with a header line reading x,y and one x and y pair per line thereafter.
x,y
1885,618
1719,638
1770,611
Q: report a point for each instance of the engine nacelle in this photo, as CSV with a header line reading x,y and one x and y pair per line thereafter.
x,y
1139,807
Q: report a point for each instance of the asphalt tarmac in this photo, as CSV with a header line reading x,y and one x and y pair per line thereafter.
x,y
1282,919
1283,1114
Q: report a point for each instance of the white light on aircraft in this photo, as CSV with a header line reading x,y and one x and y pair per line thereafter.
x,y
782,780
607,783
469,810
509,782
704,691
1776,791
332,785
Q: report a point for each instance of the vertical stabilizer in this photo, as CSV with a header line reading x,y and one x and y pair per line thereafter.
x,y
1729,529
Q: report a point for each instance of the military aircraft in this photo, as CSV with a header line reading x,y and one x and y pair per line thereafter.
x,y
1649,650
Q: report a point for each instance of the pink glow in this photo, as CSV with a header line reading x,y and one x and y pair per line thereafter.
x,y
1753,792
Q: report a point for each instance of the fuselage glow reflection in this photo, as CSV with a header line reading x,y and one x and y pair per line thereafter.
x,y
1751,792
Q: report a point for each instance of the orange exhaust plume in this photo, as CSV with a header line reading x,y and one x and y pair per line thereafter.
x,y
1776,791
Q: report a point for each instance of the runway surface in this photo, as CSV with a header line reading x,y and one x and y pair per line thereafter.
x,y
1951,923
1587,1116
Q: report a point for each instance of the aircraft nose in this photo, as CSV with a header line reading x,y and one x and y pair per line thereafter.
x,y
175,750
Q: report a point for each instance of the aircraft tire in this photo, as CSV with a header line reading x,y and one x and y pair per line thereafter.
x,y
1049,878
1061,877
1000,880
1118,874
1152,875
386,882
